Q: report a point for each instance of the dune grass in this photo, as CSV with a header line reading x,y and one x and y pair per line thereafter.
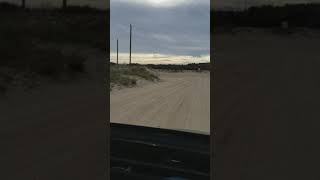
x,y
127,75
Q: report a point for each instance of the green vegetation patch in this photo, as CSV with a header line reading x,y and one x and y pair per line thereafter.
x,y
139,71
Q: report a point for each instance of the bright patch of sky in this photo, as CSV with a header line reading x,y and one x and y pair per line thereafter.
x,y
178,30
144,58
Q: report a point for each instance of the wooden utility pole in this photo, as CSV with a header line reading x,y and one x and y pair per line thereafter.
x,y
130,42
117,52
23,4
64,4
245,5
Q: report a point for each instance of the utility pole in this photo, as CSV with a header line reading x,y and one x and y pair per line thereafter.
x,y
245,5
130,43
23,4
117,52
64,4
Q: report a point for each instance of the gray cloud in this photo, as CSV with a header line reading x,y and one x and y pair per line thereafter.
x,y
183,29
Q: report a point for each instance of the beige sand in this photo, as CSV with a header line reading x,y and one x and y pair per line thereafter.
x,y
180,101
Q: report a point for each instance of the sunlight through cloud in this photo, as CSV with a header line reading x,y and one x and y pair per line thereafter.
x,y
149,58
160,3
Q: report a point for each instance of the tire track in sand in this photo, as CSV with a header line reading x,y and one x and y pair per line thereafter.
x,y
179,101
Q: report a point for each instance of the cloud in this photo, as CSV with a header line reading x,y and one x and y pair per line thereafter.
x,y
161,3
163,37
182,30
144,58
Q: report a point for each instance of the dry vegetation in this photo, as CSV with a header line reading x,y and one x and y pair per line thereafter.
x,y
127,75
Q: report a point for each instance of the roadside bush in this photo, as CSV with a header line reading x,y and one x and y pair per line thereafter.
x,y
118,78
140,71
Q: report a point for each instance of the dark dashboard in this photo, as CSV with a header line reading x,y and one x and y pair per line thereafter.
x,y
146,153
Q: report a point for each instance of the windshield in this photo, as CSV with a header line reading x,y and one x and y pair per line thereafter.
x,y
160,62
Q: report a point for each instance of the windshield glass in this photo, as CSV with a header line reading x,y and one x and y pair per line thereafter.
x,y
159,71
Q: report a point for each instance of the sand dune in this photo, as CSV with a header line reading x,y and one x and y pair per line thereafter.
x,y
179,101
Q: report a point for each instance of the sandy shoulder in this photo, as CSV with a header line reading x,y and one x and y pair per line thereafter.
x,y
177,101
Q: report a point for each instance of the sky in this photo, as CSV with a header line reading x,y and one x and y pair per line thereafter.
x,y
164,31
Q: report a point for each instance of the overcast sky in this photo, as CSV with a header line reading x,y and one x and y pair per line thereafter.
x,y
162,29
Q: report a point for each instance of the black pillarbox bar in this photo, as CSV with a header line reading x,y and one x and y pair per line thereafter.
x,y
53,89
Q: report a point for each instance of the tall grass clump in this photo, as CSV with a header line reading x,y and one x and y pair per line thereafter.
x,y
127,75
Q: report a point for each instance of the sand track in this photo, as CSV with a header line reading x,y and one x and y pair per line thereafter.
x,y
178,101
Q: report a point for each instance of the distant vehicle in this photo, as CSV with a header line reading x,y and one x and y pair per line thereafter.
x,y
143,153
284,25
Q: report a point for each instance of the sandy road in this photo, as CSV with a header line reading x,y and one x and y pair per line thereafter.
x,y
178,101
